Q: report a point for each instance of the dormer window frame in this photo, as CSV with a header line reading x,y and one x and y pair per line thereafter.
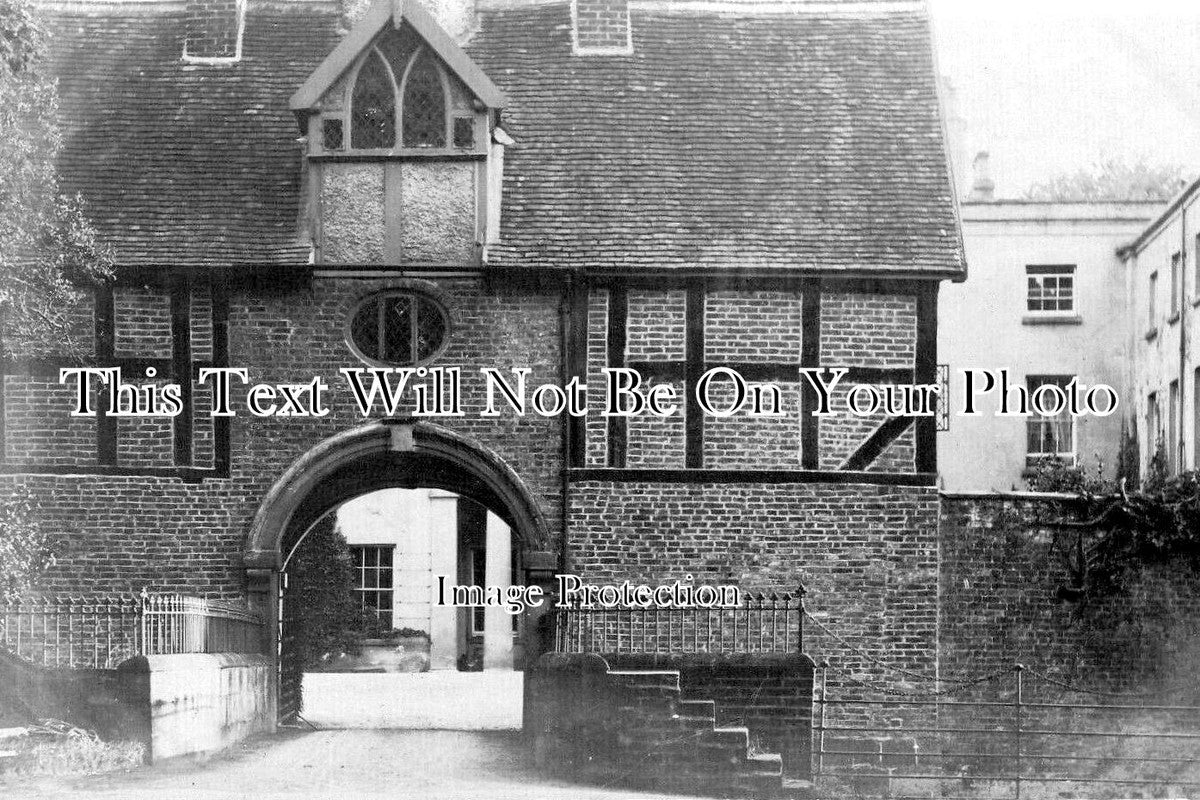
x,y
344,114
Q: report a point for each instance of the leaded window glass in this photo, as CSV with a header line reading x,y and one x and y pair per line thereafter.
x,y
373,106
398,328
401,97
424,104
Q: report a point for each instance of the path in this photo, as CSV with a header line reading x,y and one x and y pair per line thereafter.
x,y
342,765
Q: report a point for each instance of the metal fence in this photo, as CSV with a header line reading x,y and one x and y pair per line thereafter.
x,y
101,632
763,623
1016,733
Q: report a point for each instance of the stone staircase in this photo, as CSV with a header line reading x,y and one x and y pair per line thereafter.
x,y
677,744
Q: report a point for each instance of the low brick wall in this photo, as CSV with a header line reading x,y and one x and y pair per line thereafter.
x,y
636,724
198,703
769,693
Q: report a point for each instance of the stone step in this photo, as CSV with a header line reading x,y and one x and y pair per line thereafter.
x,y
738,736
798,789
771,763
645,679
695,723
698,708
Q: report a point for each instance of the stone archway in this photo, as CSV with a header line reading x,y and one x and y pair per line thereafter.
x,y
390,455
385,454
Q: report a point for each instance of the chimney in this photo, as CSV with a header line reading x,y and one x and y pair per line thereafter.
x,y
214,31
601,27
983,189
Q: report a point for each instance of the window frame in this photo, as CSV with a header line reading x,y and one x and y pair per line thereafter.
x,y
1152,301
361,590
1153,424
380,296
1174,428
1056,272
1039,422
1176,284
345,114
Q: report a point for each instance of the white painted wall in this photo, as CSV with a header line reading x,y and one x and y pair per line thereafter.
x,y
422,524
1155,343
982,324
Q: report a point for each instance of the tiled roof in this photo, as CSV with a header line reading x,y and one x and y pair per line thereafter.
x,y
187,163
726,140
777,140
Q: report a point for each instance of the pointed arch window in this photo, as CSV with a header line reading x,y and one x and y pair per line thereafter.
x,y
373,106
403,98
424,104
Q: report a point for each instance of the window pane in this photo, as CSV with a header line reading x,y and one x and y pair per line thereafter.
x,y
424,105
373,106
332,134
1049,436
398,47
464,132
397,330
431,329
364,329
1050,288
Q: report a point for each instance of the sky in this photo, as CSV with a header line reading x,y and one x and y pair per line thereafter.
x,y
1047,86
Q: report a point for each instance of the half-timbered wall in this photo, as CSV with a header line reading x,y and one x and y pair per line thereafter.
x,y
765,330
844,505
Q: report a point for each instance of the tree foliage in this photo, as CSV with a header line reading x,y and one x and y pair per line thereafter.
x,y
1120,528
320,599
48,249
24,553
1113,178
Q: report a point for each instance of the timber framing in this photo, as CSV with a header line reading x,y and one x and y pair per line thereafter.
x,y
181,367
697,287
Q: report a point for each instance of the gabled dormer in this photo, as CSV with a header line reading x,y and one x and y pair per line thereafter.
x,y
403,152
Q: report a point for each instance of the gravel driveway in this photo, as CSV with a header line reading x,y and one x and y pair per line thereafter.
x,y
336,764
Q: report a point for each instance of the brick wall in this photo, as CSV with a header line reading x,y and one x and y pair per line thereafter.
x,y
753,326
123,533
212,28
866,554
867,330
142,322
1000,577
601,24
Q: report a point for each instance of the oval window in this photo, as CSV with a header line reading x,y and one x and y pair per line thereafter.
x,y
398,328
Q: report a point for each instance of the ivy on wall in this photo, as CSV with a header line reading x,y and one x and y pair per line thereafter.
x,y
1121,529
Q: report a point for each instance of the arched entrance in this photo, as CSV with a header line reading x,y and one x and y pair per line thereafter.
x,y
392,455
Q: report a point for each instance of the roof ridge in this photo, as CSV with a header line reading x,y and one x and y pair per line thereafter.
x,y
771,7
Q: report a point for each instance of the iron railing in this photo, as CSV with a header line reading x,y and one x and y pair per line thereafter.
x,y
1011,733
101,632
763,623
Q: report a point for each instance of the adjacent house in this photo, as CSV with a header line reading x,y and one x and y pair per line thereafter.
x,y
1163,276
1046,301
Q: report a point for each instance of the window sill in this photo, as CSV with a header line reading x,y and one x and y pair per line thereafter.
x,y
1052,319
1151,334
1173,318
1030,470
388,155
